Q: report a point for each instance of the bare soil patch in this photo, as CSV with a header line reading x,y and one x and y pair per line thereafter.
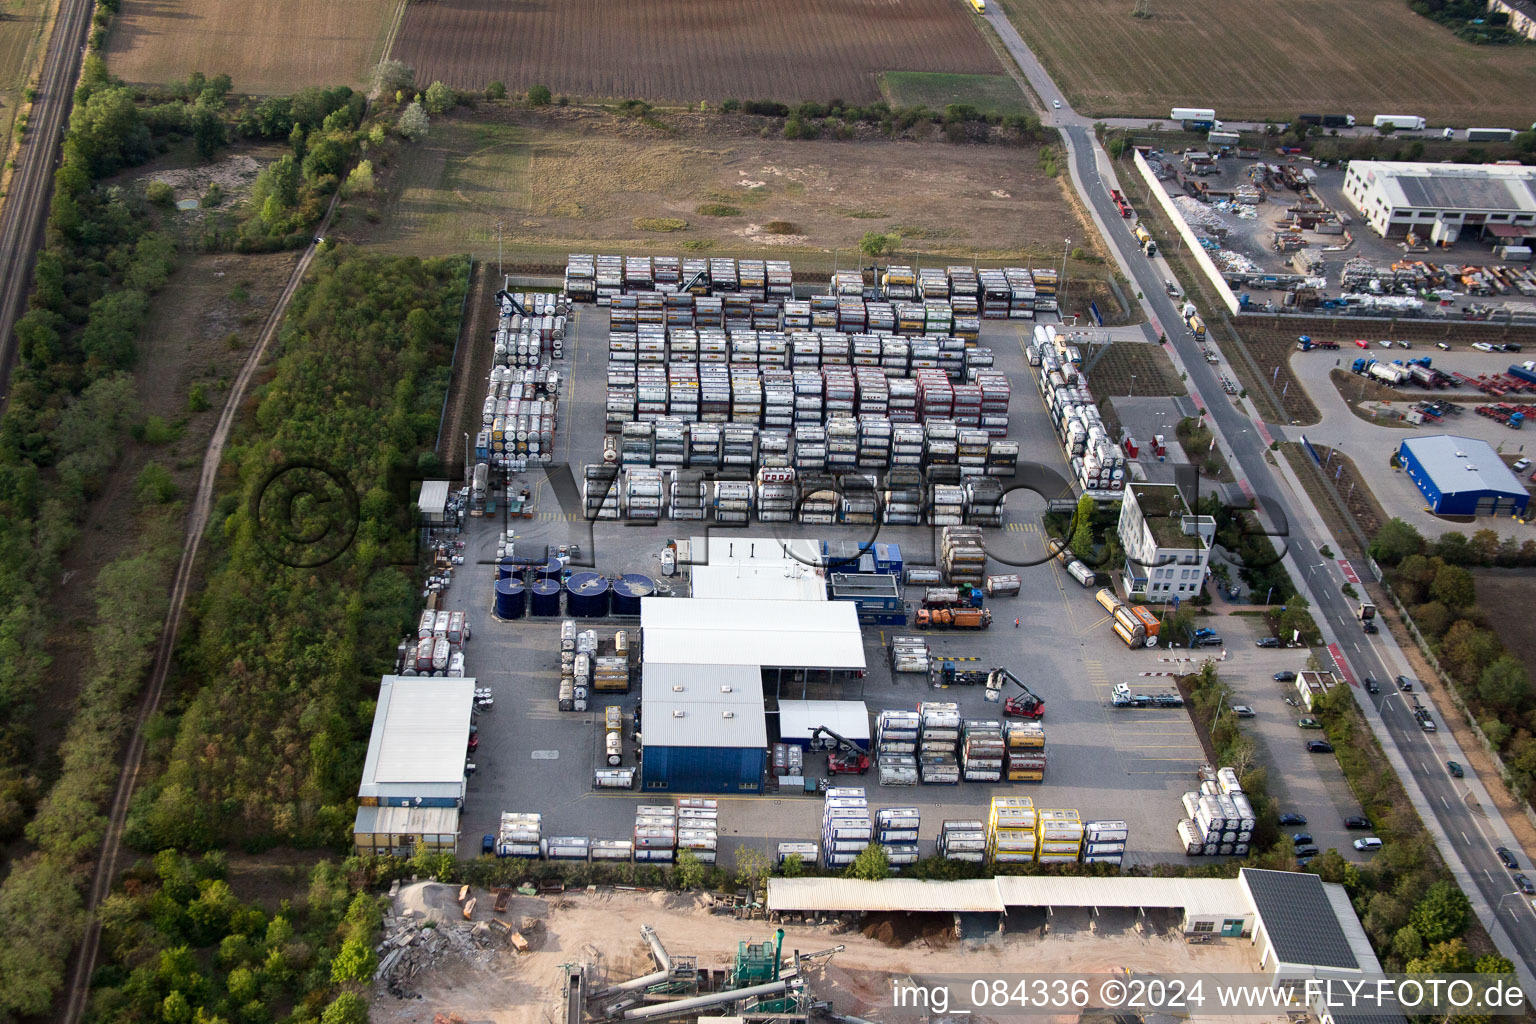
x,y
563,180
691,49
271,47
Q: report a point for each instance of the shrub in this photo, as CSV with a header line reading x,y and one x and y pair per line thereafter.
x,y
160,193
767,108
660,224
154,485
197,398
496,91
718,210
730,106
539,95
780,227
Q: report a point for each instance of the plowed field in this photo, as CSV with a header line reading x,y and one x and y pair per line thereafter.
x,y
690,49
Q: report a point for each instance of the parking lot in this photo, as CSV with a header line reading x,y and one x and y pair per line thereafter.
x,y
1106,763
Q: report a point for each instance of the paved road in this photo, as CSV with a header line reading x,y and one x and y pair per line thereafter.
x,y
1452,810
26,205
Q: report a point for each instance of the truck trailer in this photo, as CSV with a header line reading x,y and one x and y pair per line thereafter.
x,y
1192,114
1490,134
1399,122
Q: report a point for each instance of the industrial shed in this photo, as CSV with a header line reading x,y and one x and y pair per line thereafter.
x,y
1462,476
416,752
754,568
768,634
404,830
433,502
703,728
848,718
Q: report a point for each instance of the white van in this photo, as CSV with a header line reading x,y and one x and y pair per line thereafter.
x,y
1368,844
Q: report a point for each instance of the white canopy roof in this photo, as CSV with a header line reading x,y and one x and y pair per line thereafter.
x,y
771,634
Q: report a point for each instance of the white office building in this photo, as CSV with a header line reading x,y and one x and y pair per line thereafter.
x,y
1167,547
1439,202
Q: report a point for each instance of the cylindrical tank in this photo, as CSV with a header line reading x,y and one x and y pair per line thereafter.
x,y
628,590
544,599
587,596
507,568
550,570
511,598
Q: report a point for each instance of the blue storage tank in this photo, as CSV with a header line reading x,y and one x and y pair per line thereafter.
x,y
550,570
511,598
544,599
628,590
587,595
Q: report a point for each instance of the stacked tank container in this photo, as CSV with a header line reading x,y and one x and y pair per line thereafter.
x,y
698,827
962,557
569,848
963,841
937,740
520,835
982,751
846,827
896,734
1104,842
1060,835
655,833
1025,746
896,829
1219,819
1011,835
687,494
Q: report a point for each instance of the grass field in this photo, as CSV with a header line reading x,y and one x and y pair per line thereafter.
x,y
691,49
21,27
1148,364
992,94
268,48
574,179
1253,59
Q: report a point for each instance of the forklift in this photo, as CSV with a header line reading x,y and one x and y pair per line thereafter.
x,y
844,757
1027,704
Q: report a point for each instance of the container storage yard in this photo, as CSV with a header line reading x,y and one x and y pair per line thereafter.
x,y
661,392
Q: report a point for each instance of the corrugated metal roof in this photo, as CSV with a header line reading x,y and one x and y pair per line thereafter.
x,y
1446,458
784,634
847,718
433,499
420,729
1200,897
434,821
704,695
837,894
732,568
1301,921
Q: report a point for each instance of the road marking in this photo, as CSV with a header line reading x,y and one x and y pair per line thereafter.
x,y
1446,802
1464,839
1421,765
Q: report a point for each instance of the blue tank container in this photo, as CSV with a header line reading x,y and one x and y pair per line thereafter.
x,y
511,599
628,591
544,599
587,595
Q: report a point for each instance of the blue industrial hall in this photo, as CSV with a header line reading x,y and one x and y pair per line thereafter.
x,y
1462,476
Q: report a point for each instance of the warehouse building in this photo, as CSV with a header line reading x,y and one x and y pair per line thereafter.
x,y
1462,476
704,729
413,777
1167,547
1440,201
433,502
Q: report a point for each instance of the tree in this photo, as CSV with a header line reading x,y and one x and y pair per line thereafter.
x,y
1395,541
1442,958
751,867
539,96
1433,619
360,181
690,872
1442,914
355,961
1485,546
41,908
496,91
347,1008
1468,650
413,122
440,98
793,867
871,865
1082,529
1454,548
1453,586
207,132
875,245
1504,685
392,76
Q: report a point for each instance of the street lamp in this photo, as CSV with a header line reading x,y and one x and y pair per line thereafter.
x,y
1133,386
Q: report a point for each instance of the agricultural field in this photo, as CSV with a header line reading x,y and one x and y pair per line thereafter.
x,y
1253,60
691,49
271,48
21,34
1134,368
570,179
991,94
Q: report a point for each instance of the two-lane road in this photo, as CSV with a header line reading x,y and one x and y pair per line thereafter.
x,y
26,204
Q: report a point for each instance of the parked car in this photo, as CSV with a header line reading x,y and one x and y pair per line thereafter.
x,y
1309,723
1507,859
1356,822
1405,684
1291,818
1242,711
1442,345
1268,641
1320,746
1301,838
1285,677
1521,465
1371,685
1524,884
488,845
1306,851
1454,767
1482,346
1367,844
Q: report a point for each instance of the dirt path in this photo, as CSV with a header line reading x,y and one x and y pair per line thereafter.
x,y
476,339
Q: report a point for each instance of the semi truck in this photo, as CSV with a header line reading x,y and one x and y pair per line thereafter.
x,y
1195,324
1399,122
954,618
1223,138
1327,120
1192,114
1120,203
1123,697
1490,134
1144,240
1524,371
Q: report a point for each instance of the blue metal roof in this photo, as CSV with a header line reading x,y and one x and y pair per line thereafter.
x,y
1458,464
